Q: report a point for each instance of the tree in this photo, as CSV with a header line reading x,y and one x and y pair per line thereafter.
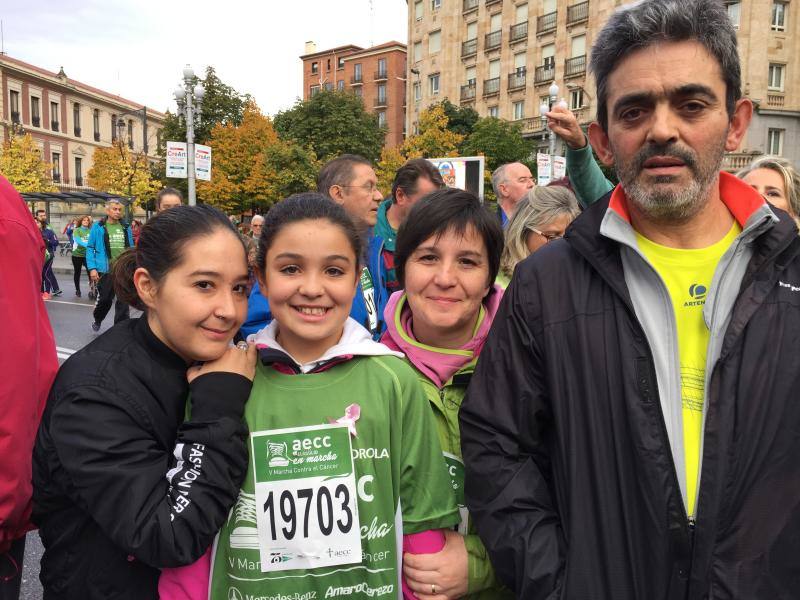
x,y
117,170
460,119
434,138
499,141
252,166
21,163
332,123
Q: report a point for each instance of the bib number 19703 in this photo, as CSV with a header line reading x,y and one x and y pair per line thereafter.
x,y
295,511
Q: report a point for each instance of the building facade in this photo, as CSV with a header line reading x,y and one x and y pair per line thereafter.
x,y
377,75
501,56
69,120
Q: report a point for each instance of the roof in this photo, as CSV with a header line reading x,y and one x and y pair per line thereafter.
x,y
85,196
5,58
336,50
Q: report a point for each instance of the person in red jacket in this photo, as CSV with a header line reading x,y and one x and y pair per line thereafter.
x,y
29,364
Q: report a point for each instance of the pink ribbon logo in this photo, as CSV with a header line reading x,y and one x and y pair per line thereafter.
x,y
351,414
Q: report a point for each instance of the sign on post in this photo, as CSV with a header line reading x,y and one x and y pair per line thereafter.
x,y
176,159
543,168
202,162
559,167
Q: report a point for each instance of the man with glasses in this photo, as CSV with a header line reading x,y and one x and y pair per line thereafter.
x,y
510,183
256,224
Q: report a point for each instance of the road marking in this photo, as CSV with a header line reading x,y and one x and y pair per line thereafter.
x,y
73,303
64,353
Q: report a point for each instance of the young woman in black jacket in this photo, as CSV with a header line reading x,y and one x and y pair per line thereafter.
x,y
123,483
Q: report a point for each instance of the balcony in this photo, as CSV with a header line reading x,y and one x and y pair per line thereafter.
x,y
532,125
491,2
36,121
54,125
516,80
96,136
575,67
468,92
518,32
15,117
492,40
577,13
491,86
380,102
544,74
470,5
469,48
775,100
546,23
77,132
381,75
79,180
736,161
356,79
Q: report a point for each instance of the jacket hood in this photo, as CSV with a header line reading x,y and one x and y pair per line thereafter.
x,y
355,341
437,364
382,226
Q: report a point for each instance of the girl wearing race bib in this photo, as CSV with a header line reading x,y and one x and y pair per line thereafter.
x,y
447,257
345,460
80,237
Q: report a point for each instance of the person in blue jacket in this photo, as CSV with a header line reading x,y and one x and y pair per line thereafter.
x,y
108,239
348,180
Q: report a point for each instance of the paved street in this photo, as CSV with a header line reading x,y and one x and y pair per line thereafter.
x,y
71,319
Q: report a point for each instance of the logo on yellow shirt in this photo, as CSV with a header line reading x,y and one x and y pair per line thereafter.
x,y
697,293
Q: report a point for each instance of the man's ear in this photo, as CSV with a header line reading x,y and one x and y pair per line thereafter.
x,y
400,197
335,192
740,121
600,143
145,287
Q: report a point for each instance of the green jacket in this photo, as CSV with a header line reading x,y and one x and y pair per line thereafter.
x,y
445,404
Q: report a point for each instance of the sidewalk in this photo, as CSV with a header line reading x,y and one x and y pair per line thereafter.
x,y
62,265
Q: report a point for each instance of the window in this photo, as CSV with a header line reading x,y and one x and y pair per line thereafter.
x,y
36,118
328,86
340,64
418,10
519,63
314,68
328,65
57,167
382,93
434,42
382,118
340,85
357,71
734,12
775,142
494,68
78,170
14,102
548,6
113,128
778,22
576,99
76,119
357,91
519,110
544,101
382,67
436,4
775,78
472,30
493,111
417,51
470,75
521,14
130,134
578,46
96,123
549,56
54,124
417,92
433,81
496,22
313,90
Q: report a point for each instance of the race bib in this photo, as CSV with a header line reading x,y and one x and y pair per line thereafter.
x,y
455,467
368,291
306,502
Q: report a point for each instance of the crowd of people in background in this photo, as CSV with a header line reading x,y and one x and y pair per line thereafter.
x,y
590,393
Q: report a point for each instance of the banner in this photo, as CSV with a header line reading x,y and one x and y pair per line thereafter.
x,y
453,171
176,159
543,169
202,162
559,167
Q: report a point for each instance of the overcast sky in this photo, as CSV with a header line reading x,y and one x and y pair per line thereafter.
x,y
137,48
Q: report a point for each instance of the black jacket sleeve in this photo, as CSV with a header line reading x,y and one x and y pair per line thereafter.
x,y
504,420
163,506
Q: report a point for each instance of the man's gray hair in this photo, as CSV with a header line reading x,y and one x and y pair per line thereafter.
x,y
499,177
643,24
257,219
339,171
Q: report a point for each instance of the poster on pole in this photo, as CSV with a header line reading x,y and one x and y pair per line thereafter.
x,y
202,162
559,167
543,169
463,172
176,159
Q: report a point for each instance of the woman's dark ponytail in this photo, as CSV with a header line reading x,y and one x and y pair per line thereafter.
x,y
122,277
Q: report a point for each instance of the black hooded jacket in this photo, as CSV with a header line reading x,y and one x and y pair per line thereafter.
x,y
122,484
569,475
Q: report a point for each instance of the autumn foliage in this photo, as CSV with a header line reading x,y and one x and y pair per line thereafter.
x,y
117,170
21,163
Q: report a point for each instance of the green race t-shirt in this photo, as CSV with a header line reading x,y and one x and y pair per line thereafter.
x,y
398,477
116,239
82,234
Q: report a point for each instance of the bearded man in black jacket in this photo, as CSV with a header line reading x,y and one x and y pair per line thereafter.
x,y
633,426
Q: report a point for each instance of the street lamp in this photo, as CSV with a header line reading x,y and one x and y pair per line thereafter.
x,y
553,91
189,98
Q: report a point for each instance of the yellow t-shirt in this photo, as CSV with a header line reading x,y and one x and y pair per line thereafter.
x,y
688,275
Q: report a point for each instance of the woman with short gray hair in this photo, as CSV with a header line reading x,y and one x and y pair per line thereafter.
x,y
541,217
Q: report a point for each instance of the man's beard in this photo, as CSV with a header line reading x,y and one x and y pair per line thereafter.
x,y
664,204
